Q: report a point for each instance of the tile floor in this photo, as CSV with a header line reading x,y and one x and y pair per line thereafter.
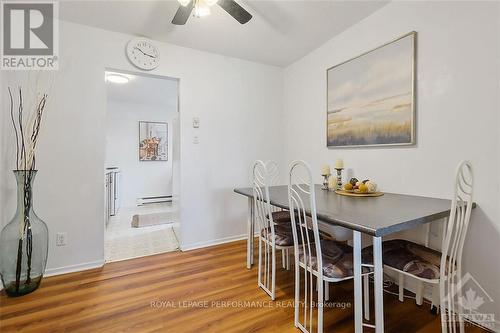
x,y
121,241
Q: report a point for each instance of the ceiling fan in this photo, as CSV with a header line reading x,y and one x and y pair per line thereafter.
x,y
202,8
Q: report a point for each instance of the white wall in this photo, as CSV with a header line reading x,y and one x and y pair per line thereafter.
x,y
230,96
457,114
138,178
246,114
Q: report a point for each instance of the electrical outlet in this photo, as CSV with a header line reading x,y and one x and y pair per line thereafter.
x,y
61,238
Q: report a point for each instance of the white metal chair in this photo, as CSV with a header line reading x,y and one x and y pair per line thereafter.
x,y
453,245
327,260
440,269
272,236
279,215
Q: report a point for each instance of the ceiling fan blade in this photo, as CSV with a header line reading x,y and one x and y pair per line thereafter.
x,y
183,13
235,10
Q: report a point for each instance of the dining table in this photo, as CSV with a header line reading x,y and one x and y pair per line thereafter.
x,y
376,217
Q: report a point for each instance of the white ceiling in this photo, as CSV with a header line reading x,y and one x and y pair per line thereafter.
x,y
280,32
145,90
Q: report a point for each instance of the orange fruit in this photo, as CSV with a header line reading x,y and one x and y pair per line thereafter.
x,y
348,187
363,188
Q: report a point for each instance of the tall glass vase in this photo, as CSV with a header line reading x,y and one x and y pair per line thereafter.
x,y
23,242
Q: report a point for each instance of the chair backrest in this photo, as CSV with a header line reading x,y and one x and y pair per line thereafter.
x,y
454,238
301,198
273,172
262,208
273,177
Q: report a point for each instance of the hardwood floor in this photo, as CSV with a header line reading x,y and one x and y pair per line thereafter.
x,y
195,291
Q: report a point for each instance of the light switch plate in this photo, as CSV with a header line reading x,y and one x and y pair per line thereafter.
x,y
196,122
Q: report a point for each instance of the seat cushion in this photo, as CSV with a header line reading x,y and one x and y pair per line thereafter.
x,y
326,230
337,259
282,233
408,257
284,218
281,217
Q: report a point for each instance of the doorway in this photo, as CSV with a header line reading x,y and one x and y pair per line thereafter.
x,y
142,166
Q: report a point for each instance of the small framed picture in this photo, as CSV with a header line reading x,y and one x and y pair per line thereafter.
x,y
153,141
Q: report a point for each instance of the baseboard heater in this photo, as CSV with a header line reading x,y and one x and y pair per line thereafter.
x,y
153,200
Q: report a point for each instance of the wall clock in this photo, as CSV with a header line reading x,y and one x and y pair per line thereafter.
x,y
143,54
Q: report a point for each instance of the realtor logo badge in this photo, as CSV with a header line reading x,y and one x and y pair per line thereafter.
x,y
470,297
29,35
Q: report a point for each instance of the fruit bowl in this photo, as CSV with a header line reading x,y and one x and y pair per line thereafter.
x,y
354,186
358,194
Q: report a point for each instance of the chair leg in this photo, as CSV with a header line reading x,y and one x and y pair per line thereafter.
x,y
287,259
273,272
401,287
260,263
319,284
297,295
366,294
327,291
283,260
418,294
435,299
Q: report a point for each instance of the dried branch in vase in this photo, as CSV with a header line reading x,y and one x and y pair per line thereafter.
x,y
26,141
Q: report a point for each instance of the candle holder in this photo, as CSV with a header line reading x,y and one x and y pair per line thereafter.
x,y
339,178
325,182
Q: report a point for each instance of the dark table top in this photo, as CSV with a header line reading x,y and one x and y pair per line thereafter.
x,y
377,216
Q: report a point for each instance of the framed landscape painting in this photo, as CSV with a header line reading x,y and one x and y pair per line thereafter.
x,y
153,141
371,98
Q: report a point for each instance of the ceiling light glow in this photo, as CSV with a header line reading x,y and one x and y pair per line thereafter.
x,y
201,7
184,3
117,78
201,10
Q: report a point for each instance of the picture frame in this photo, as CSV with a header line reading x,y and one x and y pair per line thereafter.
x,y
153,141
371,98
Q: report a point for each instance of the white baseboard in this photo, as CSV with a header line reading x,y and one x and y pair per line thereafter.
x,y
74,268
70,269
199,245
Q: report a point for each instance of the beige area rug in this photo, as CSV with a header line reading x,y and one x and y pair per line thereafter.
x,y
145,220
122,241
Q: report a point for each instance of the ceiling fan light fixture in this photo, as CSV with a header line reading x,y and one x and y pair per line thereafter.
x,y
201,10
184,3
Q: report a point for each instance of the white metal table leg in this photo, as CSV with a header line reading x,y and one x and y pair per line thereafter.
x,y
250,232
366,296
401,283
418,294
358,297
378,284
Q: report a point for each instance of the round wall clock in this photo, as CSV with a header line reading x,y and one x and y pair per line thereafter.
x,y
143,54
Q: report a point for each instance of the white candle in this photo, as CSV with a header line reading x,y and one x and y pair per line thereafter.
x,y
339,164
325,170
332,183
